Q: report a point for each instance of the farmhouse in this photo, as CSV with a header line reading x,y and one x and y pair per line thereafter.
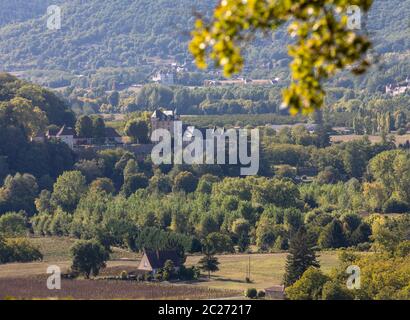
x,y
164,77
152,261
275,292
69,136
398,89
164,119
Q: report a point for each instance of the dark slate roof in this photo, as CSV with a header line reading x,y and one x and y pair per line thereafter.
x,y
111,133
163,115
40,135
53,132
66,131
158,114
157,259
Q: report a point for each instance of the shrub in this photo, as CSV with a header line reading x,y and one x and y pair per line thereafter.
x,y
365,246
13,224
168,272
18,250
396,206
334,291
403,249
148,277
124,275
261,294
185,181
60,223
309,286
159,276
251,293
88,257
40,223
4,251
187,274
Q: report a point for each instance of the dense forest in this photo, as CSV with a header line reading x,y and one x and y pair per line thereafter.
x,y
25,111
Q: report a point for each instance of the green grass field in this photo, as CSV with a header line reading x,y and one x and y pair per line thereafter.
x,y
266,269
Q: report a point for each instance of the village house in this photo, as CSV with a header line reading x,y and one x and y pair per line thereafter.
x,y
69,136
275,292
164,77
153,261
398,89
164,119
241,82
311,127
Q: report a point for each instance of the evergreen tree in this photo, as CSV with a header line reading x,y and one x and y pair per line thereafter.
x,y
301,257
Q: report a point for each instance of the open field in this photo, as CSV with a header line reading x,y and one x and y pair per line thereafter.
x,y
28,280
35,288
266,269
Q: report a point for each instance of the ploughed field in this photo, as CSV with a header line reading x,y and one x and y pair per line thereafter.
x,y
36,288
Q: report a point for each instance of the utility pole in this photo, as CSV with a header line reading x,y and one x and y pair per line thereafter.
x,y
248,269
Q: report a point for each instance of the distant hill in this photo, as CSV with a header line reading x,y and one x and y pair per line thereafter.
x,y
144,34
95,34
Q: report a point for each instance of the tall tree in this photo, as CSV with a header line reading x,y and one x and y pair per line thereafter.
x,y
68,189
185,181
18,193
84,127
134,182
99,129
301,256
137,130
88,257
209,263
